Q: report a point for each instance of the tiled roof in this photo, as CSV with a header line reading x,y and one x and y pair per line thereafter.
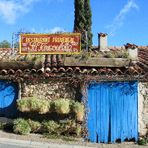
x,y
57,60
132,73
101,71
54,66
11,59
143,56
9,54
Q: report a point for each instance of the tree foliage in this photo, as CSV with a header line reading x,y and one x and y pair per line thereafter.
x,y
79,21
82,22
16,45
5,44
88,21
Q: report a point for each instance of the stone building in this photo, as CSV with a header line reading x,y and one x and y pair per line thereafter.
x,y
70,76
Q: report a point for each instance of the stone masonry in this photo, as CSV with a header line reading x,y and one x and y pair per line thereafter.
x,y
143,109
56,89
49,90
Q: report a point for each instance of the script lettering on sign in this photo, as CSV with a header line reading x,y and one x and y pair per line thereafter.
x,y
50,43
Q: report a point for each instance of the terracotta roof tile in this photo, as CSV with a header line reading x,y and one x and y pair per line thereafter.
x,y
118,71
103,73
47,70
94,71
130,70
9,54
143,57
69,69
54,64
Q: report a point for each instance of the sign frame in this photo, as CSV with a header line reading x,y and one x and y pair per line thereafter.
x,y
49,53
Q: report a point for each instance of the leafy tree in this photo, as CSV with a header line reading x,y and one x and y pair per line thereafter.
x,y
88,21
5,44
82,22
16,45
79,21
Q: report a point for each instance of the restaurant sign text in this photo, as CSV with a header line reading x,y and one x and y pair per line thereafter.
x,y
50,43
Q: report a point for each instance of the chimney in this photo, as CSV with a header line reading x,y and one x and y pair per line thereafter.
x,y
102,39
132,50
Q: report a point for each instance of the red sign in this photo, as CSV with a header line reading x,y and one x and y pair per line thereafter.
x,y
50,43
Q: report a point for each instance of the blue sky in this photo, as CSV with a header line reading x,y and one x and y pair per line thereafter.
x,y
125,21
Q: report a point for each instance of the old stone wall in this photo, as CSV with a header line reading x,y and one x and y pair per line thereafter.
x,y
143,109
53,89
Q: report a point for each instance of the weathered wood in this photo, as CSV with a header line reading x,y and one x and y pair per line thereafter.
x,y
96,62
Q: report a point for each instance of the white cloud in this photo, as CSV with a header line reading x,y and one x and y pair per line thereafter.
x,y
118,21
47,30
56,29
10,10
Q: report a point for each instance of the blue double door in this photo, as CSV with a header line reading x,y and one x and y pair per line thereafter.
x,y
112,112
8,96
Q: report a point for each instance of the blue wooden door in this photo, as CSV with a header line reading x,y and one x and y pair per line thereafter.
x,y
8,96
112,111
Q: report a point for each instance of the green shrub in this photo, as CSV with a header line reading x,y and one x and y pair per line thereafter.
x,y
70,127
35,125
50,127
62,106
44,106
39,59
21,126
78,130
2,125
40,106
117,54
33,105
67,127
143,141
110,55
78,109
23,105
122,54
29,58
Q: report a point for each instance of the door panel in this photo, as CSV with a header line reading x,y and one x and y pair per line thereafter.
x,y
92,116
112,111
8,96
102,114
